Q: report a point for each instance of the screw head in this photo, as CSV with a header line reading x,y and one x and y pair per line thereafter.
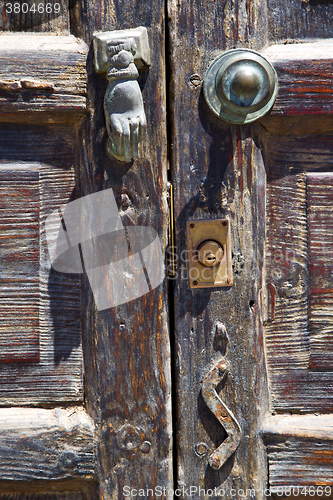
x,y
215,462
145,447
201,449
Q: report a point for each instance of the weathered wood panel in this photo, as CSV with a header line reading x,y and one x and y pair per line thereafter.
x,y
19,253
56,300
301,463
35,15
290,21
305,73
127,349
293,386
43,78
320,211
217,171
287,337
39,444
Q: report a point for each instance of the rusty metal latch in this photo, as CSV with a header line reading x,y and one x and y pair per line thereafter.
x,y
222,413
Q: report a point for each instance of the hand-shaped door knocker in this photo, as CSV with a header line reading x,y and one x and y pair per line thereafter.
x,y
119,54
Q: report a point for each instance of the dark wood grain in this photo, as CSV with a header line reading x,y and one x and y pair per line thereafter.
x,y
31,143
127,348
287,337
35,16
300,462
319,202
304,75
299,451
291,21
19,293
43,78
52,299
294,126
217,171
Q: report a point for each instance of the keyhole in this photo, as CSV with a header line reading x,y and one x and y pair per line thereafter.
x,y
210,253
210,257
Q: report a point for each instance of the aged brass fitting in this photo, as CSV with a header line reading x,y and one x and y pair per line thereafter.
x,y
209,250
240,86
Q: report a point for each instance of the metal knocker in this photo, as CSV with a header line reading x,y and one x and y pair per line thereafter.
x,y
119,54
240,86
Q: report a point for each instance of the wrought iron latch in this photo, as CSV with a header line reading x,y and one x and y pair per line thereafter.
x,y
119,54
222,413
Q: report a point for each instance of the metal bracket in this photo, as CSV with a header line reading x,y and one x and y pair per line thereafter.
x,y
209,250
119,54
222,413
102,39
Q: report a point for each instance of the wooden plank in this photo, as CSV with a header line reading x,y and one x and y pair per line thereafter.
x,y
306,426
300,449
291,21
19,253
319,201
291,125
305,73
127,348
64,490
46,445
217,171
43,75
22,143
35,15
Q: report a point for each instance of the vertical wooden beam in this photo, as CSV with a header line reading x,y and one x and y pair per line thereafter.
x,y
217,171
127,349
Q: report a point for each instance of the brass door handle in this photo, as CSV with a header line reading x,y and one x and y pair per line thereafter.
x,y
240,86
119,54
222,413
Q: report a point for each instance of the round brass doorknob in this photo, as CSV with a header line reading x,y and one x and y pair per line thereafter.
x,y
240,86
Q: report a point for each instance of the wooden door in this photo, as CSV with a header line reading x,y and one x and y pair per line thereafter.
x,y
85,394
